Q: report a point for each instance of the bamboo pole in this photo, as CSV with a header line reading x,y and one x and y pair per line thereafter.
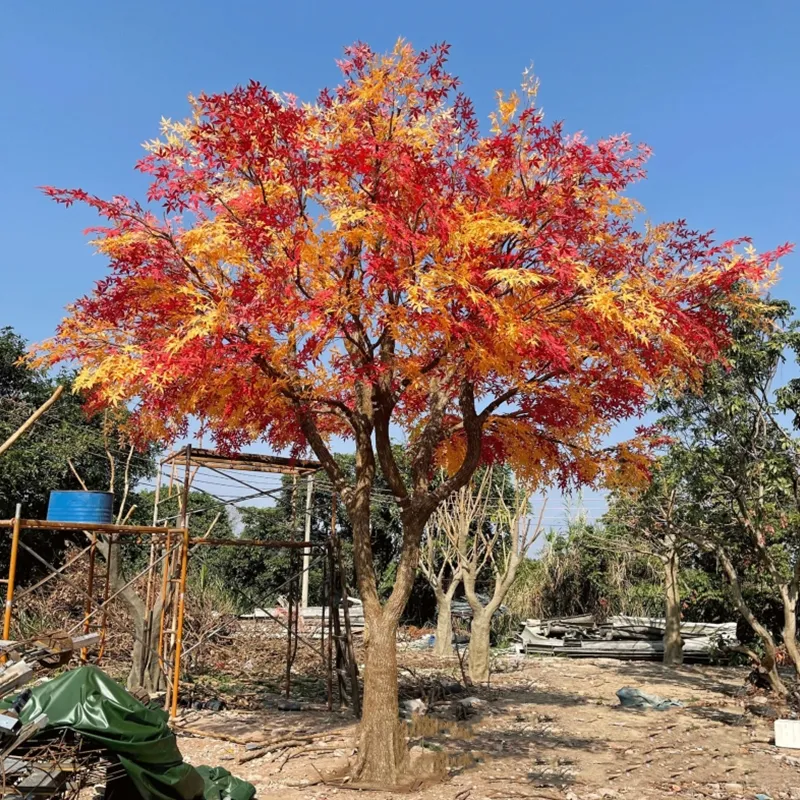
x,y
151,574
176,676
12,572
31,419
173,613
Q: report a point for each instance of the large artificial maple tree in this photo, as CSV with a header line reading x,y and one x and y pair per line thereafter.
x,y
372,265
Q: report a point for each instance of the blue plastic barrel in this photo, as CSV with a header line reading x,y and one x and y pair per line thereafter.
x,y
80,506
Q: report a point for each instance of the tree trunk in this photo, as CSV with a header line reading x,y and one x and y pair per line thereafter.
x,y
790,627
444,623
673,644
145,672
382,750
479,640
769,663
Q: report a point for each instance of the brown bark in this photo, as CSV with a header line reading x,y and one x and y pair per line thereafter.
x,y
382,750
673,643
444,621
769,662
479,641
789,598
145,672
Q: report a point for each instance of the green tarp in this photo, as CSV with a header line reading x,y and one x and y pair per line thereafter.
x,y
90,703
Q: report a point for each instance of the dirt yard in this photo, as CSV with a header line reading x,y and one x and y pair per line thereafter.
x,y
546,728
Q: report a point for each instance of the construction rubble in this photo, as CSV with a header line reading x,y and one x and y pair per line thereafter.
x,y
621,637
64,734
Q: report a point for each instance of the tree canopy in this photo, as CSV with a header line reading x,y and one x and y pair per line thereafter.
x,y
372,266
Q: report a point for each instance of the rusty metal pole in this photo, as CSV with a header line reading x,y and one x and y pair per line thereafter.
x,y
12,572
290,602
106,593
89,590
176,675
166,569
168,606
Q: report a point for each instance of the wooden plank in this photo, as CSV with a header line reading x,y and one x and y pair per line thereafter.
x,y
15,676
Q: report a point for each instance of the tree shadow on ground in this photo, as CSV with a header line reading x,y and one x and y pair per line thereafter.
x,y
719,715
264,724
530,744
697,677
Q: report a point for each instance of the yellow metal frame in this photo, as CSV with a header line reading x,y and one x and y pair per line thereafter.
x,y
18,524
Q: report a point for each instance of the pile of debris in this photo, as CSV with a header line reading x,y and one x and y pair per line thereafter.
x,y
81,728
622,637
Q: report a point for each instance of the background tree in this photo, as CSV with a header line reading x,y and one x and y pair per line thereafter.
x,y
738,468
39,462
373,264
651,521
440,566
488,534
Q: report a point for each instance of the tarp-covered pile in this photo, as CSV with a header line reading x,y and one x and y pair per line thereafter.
x,y
89,703
621,637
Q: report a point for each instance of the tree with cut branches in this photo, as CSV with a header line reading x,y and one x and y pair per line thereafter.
x,y
373,263
438,562
489,534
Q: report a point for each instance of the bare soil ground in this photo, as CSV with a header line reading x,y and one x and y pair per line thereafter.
x,y
546,728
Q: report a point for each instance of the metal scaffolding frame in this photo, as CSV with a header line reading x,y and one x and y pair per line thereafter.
x,y
170,552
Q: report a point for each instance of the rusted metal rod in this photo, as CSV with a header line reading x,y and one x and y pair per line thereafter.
x,y
258,543
91,527
90,589
28,589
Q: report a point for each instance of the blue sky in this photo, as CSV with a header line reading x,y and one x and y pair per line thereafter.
x,y
711,86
